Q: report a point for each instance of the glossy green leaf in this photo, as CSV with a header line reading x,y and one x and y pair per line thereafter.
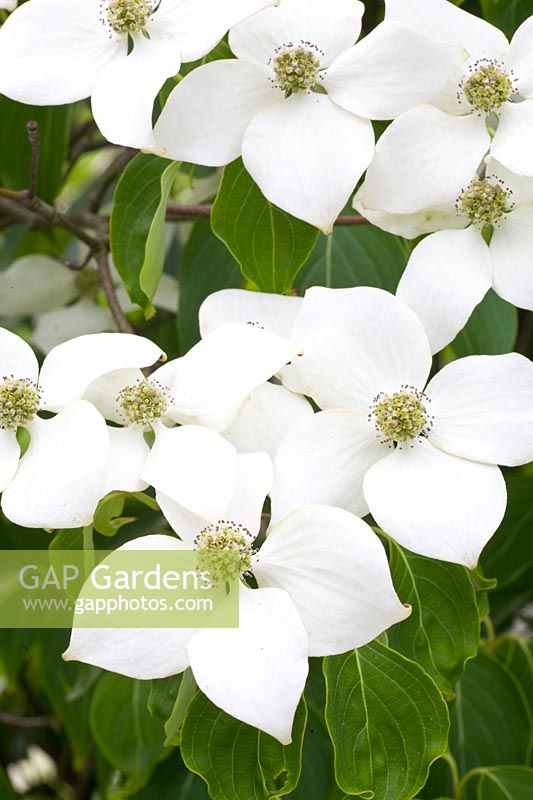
x,y
506,14
128,736
516,655
172,781
270,245
162,697
387,721
206,266
187,691
490,718
361,255
442,632
497,783
137,225
491,330
15,151
237,761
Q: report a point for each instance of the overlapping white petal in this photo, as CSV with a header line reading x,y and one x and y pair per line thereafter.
x,y
195,467
60,324
357,343
71,367
448,274
124,91
213,381
51,283
324,461
9,457
436,504
275,312
521,58
270,645
268,416
331,28
482,408
17,359
127,457
512,140
69,47
511,250
390,71
206,115
283,141
335,570
61,476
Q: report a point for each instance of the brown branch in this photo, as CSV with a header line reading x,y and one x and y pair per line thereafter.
x,y
178,213
102,260
17,721
32,129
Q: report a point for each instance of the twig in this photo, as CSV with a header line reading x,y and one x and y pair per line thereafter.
x,y
178,213
33,135
351,219
17,721
101,257
108,176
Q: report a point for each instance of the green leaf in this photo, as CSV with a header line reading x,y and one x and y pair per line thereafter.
x,y
269,244
187,691
516,655
162,697
239,762
490,719
317,777
491,330
387,721
497,783
54,129
125,732
137,225
68,539
206,266
442,632
506,14
172,781
361,255
6,792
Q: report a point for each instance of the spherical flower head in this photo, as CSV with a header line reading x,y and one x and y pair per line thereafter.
x,y
484,202
128,16
143,403
224,551
20,400
296,68
489,87
401,417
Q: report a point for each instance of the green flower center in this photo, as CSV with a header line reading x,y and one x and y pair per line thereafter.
x,y
489,87
87,282
129,16
143,403
225,551
402,416
484,202
20,400
296,68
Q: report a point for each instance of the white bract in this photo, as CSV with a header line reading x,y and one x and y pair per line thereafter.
x,y
481,216
82,48
60,478
324,588
421,458
297,101
65,303
495,84
209,386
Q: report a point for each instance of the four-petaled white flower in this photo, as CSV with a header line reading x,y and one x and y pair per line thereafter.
x,y
324,588
495,84
60,478
297,101
421,458
208,387
81,48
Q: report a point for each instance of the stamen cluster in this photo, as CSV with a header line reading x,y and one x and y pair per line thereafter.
x,y
296,67
143,403
20,400
402,416
489,86
484,201
224,550
129,16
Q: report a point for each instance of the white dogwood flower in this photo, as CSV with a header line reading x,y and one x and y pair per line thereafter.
x,y
119,52
495,84
421,458
297,101
59,480
209,387
481,217
324,588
